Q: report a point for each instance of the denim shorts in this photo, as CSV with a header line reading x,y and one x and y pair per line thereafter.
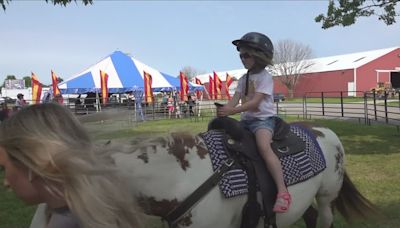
x,y
259,123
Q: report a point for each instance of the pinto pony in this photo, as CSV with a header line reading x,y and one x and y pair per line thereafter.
x,y
163,172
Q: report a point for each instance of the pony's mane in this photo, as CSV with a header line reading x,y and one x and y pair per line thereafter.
x,y
231,126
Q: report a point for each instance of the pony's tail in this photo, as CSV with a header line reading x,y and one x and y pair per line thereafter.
x,y
352,204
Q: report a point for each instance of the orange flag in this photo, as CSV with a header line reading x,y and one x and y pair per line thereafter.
x,y
148,91
54,81
228,83
56,90
217,87
184,86
104,86
211,87
36,89
198,92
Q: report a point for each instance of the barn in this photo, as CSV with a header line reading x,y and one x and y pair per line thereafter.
x,y
352,73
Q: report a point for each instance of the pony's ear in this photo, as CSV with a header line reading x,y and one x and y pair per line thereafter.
x,y
231,126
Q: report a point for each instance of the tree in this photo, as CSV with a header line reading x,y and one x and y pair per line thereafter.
x,y
190,72
348,11
291,60
3,3
59,80
28,81
12,77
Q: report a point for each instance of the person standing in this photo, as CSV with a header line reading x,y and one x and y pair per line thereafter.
x,y
20,102
191,104
255,90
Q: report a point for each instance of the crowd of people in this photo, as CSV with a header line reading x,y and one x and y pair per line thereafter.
x,y
178,108
6,111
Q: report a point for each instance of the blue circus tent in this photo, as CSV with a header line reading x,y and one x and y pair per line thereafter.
x,y
125,74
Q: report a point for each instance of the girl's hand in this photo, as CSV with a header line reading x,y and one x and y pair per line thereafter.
x,y
224,111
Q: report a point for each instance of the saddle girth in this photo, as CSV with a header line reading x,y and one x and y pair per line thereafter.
x,y
258,179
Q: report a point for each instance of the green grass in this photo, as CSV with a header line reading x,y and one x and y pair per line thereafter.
x,y
373,155
373,164
148,128
13,212
393,104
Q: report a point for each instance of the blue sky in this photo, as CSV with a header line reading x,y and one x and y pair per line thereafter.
x,y
167,35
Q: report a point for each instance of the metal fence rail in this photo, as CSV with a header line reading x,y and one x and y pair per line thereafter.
x,y
369,109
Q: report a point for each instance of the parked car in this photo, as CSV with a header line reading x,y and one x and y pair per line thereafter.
x,y
278,97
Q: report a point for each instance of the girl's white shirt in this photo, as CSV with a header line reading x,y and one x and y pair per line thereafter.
x,y
261,82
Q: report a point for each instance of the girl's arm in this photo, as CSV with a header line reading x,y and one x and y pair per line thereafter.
x,y
234,101
253,104
225,109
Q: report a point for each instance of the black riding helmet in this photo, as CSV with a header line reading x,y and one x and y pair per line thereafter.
x,y
20,95
257,41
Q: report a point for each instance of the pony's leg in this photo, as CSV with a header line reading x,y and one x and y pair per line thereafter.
x,y
310,217
332,176
303,195
217,211
325,210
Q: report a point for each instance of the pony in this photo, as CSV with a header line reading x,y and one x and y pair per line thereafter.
x,y
162,172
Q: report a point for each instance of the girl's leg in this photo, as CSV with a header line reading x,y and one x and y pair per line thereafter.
x,y
264,138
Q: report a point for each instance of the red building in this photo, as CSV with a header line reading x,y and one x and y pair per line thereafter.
x,y
352,74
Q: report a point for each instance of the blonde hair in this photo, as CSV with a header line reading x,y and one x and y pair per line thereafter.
x,y
261,59
50,141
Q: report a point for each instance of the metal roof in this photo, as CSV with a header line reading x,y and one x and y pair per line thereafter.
x,y
347,61
323,64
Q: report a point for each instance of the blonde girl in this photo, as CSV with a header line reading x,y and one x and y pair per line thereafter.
x,y
49,158
255,90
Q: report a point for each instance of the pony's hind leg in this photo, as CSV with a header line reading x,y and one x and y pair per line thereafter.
x,y
325,212
310,217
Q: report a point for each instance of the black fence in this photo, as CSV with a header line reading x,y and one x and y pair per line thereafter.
x,y
368,109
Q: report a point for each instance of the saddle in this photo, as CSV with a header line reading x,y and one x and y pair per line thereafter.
x,y
259,179
284,141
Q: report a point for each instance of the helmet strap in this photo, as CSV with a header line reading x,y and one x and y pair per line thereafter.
x,y
246,91
254,70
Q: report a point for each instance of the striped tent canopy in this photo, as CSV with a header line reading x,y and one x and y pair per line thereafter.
x,y
125,75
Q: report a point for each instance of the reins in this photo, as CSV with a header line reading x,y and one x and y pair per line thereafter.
x,y
173,216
